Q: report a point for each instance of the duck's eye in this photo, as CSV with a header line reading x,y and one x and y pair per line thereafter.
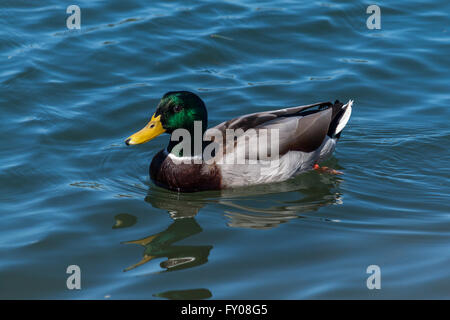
x,y
177,108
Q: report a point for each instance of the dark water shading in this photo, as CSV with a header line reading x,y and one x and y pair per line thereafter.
x,y
124,220
71,192
196,294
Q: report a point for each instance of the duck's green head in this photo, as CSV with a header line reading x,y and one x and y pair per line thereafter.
x,y
176,110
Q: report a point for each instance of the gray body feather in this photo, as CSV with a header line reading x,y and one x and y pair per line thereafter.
x,y
307,135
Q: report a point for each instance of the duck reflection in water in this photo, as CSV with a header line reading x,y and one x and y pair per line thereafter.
x,y
162,245
268,206
304,194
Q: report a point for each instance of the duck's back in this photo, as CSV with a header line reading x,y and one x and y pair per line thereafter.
x,y
306,135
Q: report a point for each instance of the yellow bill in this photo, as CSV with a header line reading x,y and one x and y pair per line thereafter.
x,y
153,129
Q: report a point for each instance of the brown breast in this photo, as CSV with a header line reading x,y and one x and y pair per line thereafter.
x,y
184,177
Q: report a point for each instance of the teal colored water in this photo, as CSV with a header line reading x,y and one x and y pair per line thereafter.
x,y
72,193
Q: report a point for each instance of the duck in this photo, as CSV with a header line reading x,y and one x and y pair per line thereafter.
x,y
294,140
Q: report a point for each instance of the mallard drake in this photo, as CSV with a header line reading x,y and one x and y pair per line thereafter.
x,y
306,135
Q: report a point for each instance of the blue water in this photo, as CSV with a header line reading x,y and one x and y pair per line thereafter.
x,y
72,193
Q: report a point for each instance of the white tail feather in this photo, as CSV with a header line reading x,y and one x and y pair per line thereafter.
x,y
345,117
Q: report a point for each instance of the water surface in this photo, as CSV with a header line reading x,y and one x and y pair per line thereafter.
x,y
71,192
